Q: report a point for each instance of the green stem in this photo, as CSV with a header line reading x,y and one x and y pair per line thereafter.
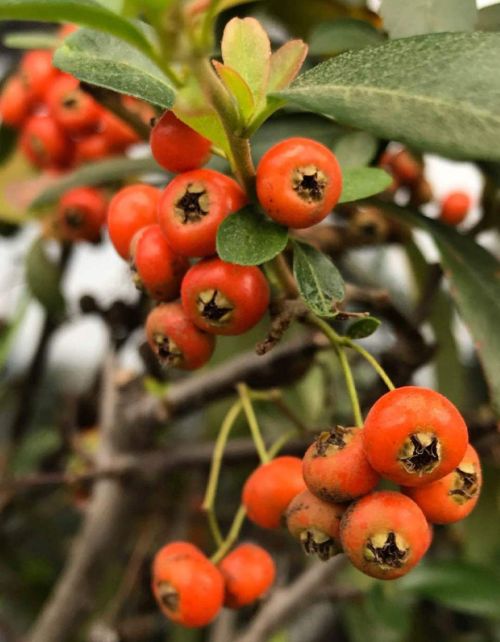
x,y
284,276
372,361
338,342
213,479
253,424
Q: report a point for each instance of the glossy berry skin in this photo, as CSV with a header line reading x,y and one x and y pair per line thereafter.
x,y
91,147
45,143
72,108
177,147
249,572
336,468
81,214
315,523
298,182
455,207
131,209
172,550
175,340
117,134
37,72
270,488
188,588
414,436
222,298
385,534
15,102
454,496
192,207
157,269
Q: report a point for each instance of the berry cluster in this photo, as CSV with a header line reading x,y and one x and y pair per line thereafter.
x,y
413,437
61,125
298,182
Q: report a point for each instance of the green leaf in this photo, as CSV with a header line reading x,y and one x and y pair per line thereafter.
x,y
475,287
247,238
238,88
320,283
332,37
362,182
436,92
109,62
403,19
285,64
362,328
9,331
82,12
355,149
8,142
31,40
43,277
246,48
460,586
488,19
111,169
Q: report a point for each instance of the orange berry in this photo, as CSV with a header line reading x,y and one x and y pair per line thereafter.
x,y
15,102
81,214
455,207
270,488
248,573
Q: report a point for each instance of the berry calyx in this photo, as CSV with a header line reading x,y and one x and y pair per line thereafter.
x,y
192,207
248,571
384,534
73,109
316,524
81,214
222,298
131,209
177,147
298,182
189,589
336,468
455,207
454,496
270,488
413,436
155,267
175,340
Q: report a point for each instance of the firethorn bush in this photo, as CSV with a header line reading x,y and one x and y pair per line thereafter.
x,y
249,317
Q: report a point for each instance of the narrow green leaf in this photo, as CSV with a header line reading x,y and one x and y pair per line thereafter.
x,y
238,88
320,283
9,331
332,37
436,92
362,182
43,277
474,276
109,62
355,149
246,48
82,12
403,19
111,169
31,40
362,328
247,238
460,586
8,142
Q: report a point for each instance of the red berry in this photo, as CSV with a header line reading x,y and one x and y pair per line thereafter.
x,y
15,102
92,147
414,436
138,107
454,496
72,108
188,588
174,550
248,573
385,534
299,181
270,488
37,72
177,147
131,209
175,340
81,214
157,269
118,135
336,468
315,523
455,208
45,143
192,207
406,168
222,298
